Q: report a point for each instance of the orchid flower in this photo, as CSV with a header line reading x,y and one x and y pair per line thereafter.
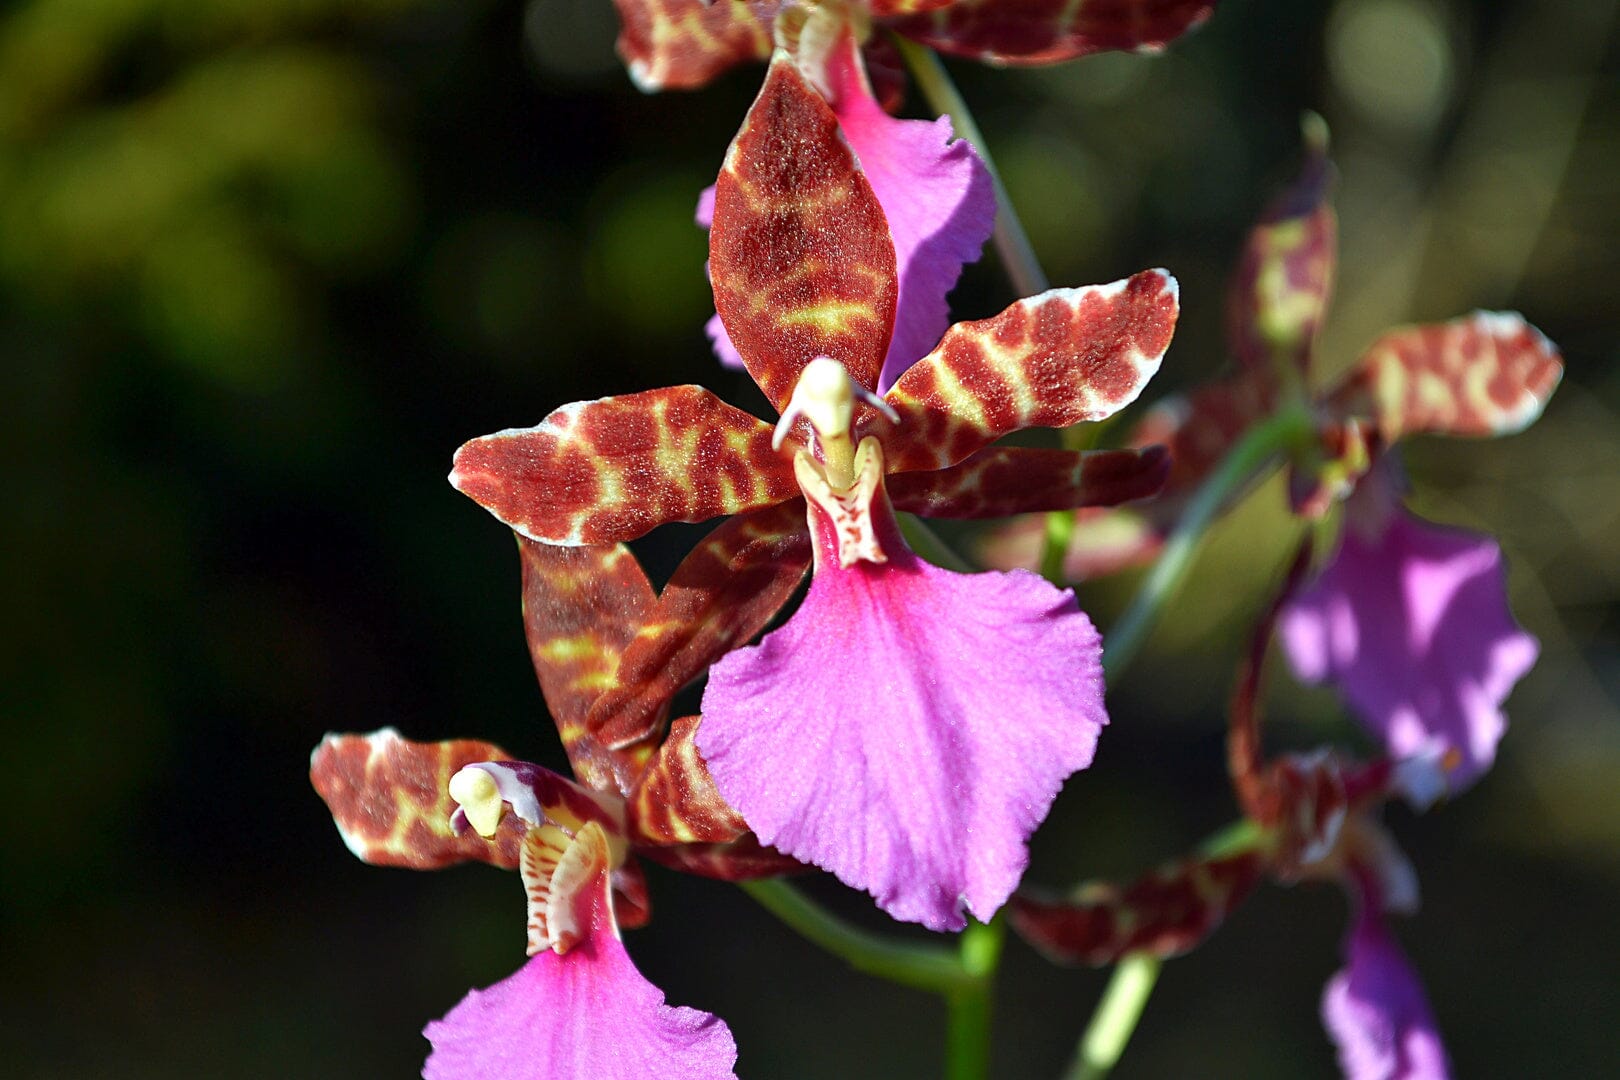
x,y
682,44
880,733
1409,620
598,636
1315,818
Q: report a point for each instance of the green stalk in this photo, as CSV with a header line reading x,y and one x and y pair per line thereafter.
x,y
1240,466
924,967
927,543
1012,242
970,1009
1116,1016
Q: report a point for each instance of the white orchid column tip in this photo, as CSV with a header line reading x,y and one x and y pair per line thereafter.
x,y
479,797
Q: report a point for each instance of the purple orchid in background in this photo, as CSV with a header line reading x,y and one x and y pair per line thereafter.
x,y
935,193
1408,620
1411,621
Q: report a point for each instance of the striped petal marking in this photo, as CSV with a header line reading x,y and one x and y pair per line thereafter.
x,y
1025,32
684,44
1489,373
390,798
613,469
1004,480
1052,360
799,254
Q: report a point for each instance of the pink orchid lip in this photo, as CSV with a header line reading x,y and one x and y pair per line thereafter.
x,y
583,1010
918,772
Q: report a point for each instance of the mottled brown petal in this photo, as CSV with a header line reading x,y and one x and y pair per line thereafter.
x,y
799,253
1200,427
682,44
598,472
744,859
721,595
581,607
1165,914
390,798
1283,281
632,903
1047,31
1489,373
1004,480
1051,360
675,800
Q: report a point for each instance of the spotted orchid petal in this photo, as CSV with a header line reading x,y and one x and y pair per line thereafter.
x,y
598,472
682,44
1027,32
1377,1012
800,255
390,798
1166,913
1005,480
584,1011
1410,621
909,727
734,582
675,800
934,191
1052,360
936,195
1280,291
1489,373
581,607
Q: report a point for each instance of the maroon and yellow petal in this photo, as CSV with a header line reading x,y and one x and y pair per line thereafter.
x,y
1164,914
581,607
1048,31
675,800
1489,373
1051,360
682,44
598,472
1004,480
390,798
744,859
799,253
721,595
1280,291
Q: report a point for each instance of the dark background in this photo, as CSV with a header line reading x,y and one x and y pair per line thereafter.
x,y
264,265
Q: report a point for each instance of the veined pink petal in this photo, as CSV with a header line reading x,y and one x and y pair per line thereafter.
x,y
909,727
585,1013
1410,620
1377,1013
936,194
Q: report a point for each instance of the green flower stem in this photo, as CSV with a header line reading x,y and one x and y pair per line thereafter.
x,y
1116,1016
1055,545
1121,1005
1242,464
969,1009
1012,242
925,967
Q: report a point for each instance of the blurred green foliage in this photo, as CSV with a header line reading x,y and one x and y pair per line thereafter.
x,y
265,263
